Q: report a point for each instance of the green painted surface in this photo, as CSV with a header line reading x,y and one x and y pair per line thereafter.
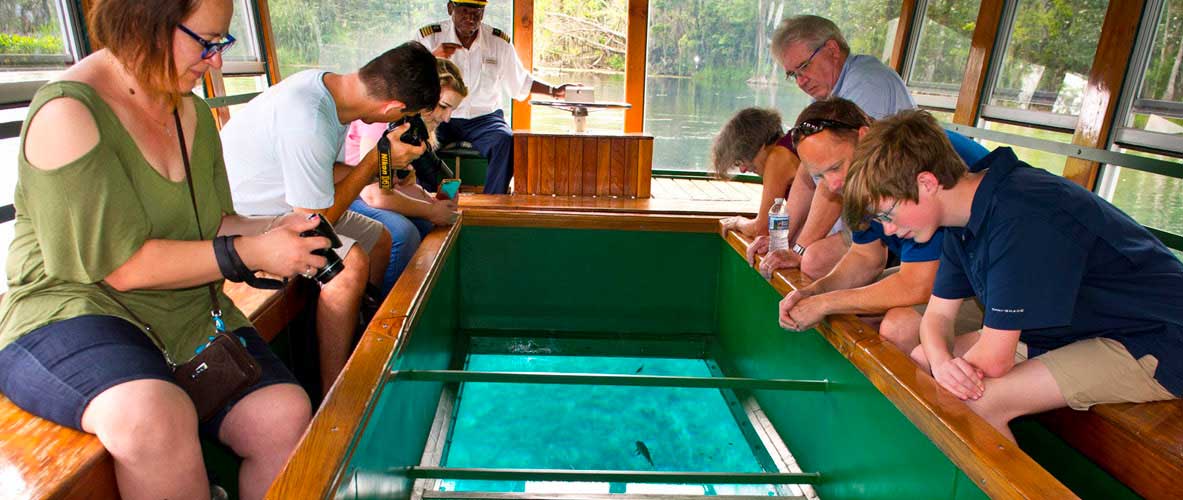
x,y
472,170
860,443
397,430
588,280
623,281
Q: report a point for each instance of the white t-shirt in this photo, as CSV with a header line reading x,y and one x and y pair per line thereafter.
x,y
280,148
490,68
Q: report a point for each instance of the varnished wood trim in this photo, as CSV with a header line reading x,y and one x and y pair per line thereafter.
x,y
903,33
981,52
1098,105
1112,435
996,465
590,220
626,135
602,204
521,162
267,40
41,459
523,43
645,173
314,469
215,86
634,69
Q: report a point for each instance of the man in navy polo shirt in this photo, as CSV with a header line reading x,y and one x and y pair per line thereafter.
x,y
1082,304
825,138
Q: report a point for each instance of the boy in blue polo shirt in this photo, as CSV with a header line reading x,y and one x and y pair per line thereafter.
x,y
824,138
1082,304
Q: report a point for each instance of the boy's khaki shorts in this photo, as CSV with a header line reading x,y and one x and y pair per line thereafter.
x,y
354,228
1100,370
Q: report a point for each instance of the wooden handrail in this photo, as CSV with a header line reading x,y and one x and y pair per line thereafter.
x,y
995,464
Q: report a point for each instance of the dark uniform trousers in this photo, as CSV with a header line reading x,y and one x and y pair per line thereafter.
x,y
490,135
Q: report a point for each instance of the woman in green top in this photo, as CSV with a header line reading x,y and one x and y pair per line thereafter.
x,y
103,200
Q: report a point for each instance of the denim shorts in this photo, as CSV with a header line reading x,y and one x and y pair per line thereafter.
x,y
56,370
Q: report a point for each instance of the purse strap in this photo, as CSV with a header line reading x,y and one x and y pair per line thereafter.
x,y
215,308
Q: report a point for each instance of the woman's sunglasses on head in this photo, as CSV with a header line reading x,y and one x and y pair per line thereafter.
x,y
813,126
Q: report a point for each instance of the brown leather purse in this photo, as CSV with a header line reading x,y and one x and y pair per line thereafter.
x,y
222,369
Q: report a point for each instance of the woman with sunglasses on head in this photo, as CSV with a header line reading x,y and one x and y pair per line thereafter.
x,y
754,141
408,210
113,233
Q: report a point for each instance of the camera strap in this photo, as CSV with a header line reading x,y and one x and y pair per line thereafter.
x,y
385,170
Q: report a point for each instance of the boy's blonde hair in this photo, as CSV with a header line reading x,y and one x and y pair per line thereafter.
x,y
889,157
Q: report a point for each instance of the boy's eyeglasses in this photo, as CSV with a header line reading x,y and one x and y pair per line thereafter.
x,y
208,48
885,217
813,126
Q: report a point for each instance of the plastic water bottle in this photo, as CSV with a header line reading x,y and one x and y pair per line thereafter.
x,y
778,226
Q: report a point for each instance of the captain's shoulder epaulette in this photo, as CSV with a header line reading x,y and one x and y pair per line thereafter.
x,y
429,29
501,34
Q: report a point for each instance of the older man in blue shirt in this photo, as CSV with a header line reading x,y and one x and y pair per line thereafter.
x,y
816,56
1082,304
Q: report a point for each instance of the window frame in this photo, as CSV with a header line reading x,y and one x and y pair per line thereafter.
x,y
1039,119
1131,137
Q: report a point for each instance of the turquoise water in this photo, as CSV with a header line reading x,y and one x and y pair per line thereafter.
x,y
581,427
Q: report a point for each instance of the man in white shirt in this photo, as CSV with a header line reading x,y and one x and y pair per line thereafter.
x,y
283,154
491,69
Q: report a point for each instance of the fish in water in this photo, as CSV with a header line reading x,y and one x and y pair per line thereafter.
x,y
643,451
639,368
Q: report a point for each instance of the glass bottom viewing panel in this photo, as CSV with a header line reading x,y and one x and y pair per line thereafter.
x,y
591,427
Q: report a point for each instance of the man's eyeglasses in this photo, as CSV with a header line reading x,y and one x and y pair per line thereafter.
x,y
208,48
813,126
885,217
792,75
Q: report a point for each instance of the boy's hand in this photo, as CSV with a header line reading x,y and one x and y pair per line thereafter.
x,y
959,377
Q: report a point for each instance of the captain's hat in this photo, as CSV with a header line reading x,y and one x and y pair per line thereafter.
x,y
471,3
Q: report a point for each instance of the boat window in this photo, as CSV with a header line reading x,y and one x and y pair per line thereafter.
x,y
1045,66
1155,119
1153,200
581,43
342,35
37,42
1051,162
244,57
707,60
942,48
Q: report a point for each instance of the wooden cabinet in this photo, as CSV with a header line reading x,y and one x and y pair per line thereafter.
x,y
618,165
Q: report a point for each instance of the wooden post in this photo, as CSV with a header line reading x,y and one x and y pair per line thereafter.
x,y
267,41
523,42
634,70
1098,105
969,99
903,31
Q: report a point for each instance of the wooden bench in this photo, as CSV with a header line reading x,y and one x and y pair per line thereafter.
x,y
40,459
1140,445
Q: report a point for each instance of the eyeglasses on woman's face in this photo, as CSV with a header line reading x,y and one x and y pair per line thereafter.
x,y
208,48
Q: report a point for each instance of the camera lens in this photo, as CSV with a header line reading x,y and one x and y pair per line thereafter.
x,y
334,264
332,268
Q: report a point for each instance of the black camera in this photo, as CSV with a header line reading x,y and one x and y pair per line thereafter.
x,y
334,264
415,135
